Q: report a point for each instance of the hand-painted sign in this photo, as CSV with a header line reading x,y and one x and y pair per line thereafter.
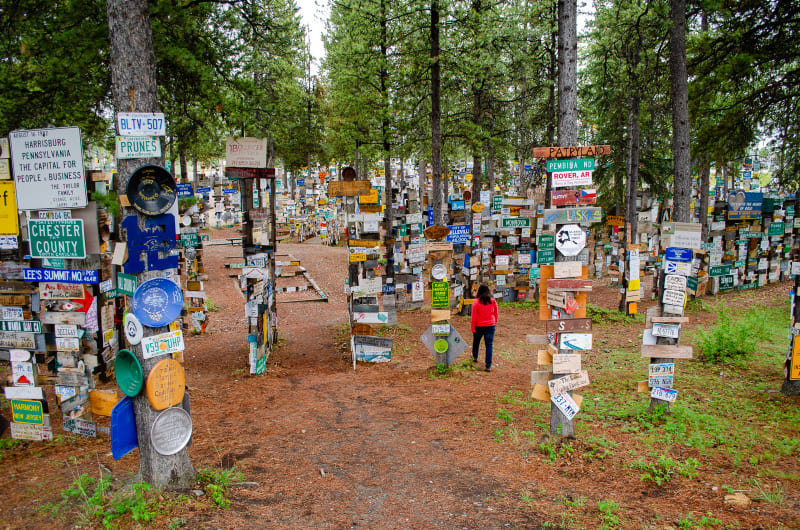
x,y
562,216
672,331
569,285
60,276
578,164
24,326
48,168
556,299
80,427
138,147
17,340
575,341
572,197
570,240
27,411
678,254
566,363
56,238
677,298
575,324
567,269
675,282
9,216
568,407
570,382
572,151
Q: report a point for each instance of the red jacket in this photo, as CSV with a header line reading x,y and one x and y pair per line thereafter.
x,y
483,315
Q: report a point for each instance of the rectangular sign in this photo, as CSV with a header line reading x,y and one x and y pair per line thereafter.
x,y
9,216
56,238
565,179
440,292
233,173
567,269
138,147
246,152
48,168
572,151
545,256
27,411
60,276
25,341
126,283
745,205
678,267
459,234
720,270
569,285
38,433
562,216
161,344
568,407
678,254
60,291
575,341
516,222
664,394
24,326
141,124
575,324
670,297
566,363
667,351
556,299
81,427
671,331
575,164
675,282
570,382
572,197
23,392
381,317
184,189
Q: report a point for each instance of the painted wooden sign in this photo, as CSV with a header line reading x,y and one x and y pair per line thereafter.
x,y
556,299
24,431
23,326
63,317
667,351
588,151
567,269
575,324
569,382
675,282
60,291
17,340
436,232
575,341
566,363
562,216
566,404
578,164
569,285
80,427
23,373
573,197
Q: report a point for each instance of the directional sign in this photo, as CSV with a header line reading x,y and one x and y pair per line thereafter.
x,y
575,341
572,151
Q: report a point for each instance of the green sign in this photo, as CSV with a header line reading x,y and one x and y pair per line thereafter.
x,y
775,229
546,241
707,246
692,283
497,203
726,282
402,230
440,292
754,235
204,237
27,411
261,365
576,164
534,273
790,211
751,285
739,264
126,283
545,257
720,270
516,222
190,240
53,263
56,238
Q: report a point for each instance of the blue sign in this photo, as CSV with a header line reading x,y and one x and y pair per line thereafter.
x,y
678,254
203,190
430,216
457,205
745,205
528,167
229,191
388,289
747,174
459,234
301,182
157,302
185,189
59,275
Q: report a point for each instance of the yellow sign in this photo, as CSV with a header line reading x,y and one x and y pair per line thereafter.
x,y
794,362
102,401
358,256
478,207
615,220
371,198
468,177
634,285
9,221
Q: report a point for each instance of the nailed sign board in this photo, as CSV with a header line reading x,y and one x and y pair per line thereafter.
x,y
567,269
516,222
161,344
661,374
667,351
48,168
25,341
588,151
27,411
565,179
572,197
556,299
568,407
24,326
675,282
569,285
578,164
56,238
141,123
678,267
371,349
9,216
672,331
570,382
566,363
570,240
246,152
24,431
575,341
81,427
60,276
562,216
575,324
138,147
371,318
678,254
664,394
670,297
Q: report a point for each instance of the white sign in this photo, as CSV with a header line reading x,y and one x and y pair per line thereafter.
x,y
24,392
141,124
138,147
27,431
246,152
164,343
569,382
22,374
678,267
66,330
12,313
369,286
133,329
567,269
570,239
417,291
664,394
565,404
371,318
671,331
48,168
563,179
575,341
675,282
501,261
524,258
566,363
671,297
67,344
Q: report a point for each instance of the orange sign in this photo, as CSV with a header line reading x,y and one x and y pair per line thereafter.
x,y
166,384
436,232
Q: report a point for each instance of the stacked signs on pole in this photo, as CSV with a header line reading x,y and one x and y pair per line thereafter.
x,y
247,166
409,251
564,283
368,283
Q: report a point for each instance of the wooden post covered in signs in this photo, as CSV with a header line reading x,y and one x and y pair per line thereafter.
x,y
564,285
791,381
134,90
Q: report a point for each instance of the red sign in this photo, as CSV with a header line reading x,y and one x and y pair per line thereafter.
x,y
569,197
249,172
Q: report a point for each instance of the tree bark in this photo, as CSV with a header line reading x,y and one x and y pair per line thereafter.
x,y
681,148
385,132
632,183
422,173
134,89
436,117
567,72
184,162
705,180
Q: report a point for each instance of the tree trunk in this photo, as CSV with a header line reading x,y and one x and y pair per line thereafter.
x,y
422,173
358,167
184,162
567,135
632,183
194,169
490,169
436,118
681,148
567,72
134,89
477,175
270,151
705,180
172,156
385,132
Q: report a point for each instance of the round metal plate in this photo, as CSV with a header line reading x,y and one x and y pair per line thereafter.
x,y
439,271
166,384
133,329
171,431
157,302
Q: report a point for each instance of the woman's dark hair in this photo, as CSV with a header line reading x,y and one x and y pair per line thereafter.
x,y
484,295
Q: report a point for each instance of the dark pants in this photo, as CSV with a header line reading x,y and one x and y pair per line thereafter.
x,y
487,332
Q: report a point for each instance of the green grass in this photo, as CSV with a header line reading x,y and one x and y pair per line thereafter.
x,y
521,305
600,315
732,338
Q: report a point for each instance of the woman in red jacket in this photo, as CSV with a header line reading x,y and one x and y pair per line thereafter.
x,y
484,320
